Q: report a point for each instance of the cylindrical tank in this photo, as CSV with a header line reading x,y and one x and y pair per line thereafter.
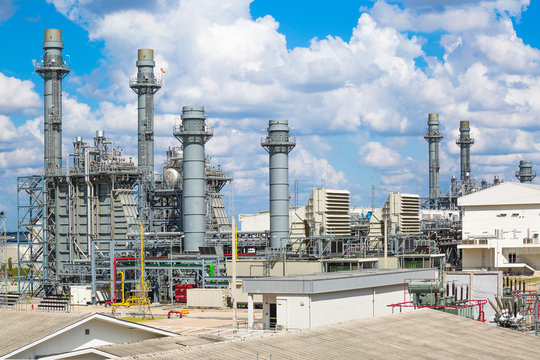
x,y
433,137
52,69
464,142
194,135
525,174
278,144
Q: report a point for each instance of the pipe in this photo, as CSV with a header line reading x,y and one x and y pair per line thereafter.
x,y
70,219
278,144
89,197
210,266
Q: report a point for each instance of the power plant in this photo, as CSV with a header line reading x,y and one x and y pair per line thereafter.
x,y
95,219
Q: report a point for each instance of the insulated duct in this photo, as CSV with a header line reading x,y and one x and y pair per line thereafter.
x,y
193,133
433,137
278,144
464,142
52,69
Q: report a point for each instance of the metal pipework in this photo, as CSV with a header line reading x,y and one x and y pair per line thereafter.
x,y
464,142
145,85
279,145
193,133
52,69
433,137
525,174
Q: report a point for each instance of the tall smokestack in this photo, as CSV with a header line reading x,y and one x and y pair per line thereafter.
x,y
464,142
433,137
52,69
193,133
278,144
525,173
145,85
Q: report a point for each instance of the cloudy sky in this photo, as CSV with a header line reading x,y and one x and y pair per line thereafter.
x,y
355,79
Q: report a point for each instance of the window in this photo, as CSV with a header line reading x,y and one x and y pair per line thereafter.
x,y
86,331
512,258
501,215
515,215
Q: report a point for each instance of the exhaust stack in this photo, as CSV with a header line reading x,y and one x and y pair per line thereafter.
x,y
433,137
525,174
193,133
145,85
279,145
464,142
52,68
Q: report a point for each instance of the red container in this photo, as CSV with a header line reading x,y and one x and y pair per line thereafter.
x,y
180,292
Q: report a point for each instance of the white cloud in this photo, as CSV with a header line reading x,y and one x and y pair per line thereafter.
x,y
375,155
240,69
18,96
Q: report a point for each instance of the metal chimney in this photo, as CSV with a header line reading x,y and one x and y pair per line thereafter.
x,y
278,144
145,85
433,137
193,133
52,69
464,142
525,173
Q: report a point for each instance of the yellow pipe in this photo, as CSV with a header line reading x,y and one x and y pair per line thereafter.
x,y
123,292
142,255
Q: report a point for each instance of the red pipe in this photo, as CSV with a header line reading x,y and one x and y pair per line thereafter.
x,y
241,254
129,258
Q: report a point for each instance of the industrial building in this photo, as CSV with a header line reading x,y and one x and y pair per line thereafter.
x,y
500,228
300,302
105,229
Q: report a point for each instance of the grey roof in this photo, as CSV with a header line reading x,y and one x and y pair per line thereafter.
x,y
419,334
338,281
19,328
158,344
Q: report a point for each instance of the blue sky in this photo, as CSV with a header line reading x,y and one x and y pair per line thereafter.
x,y
355,79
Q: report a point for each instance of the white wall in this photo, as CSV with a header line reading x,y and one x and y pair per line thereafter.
x,y
101,333
303,311
507,225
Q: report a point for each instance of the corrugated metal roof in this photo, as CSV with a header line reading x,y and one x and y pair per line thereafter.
x,y
419,334
507,193
329,282
158,345
20,328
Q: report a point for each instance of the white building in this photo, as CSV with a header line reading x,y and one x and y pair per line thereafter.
x,y
38,334
500,228
299,302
